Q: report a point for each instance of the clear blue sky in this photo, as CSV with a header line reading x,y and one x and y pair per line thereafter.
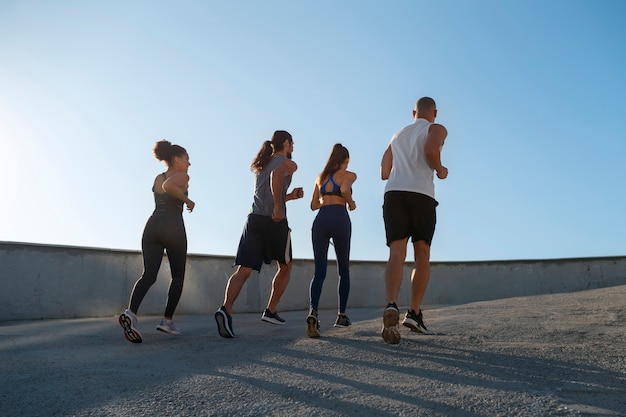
x,y
532,94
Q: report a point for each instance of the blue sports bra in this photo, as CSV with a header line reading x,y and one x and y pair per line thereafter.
x,y
336,190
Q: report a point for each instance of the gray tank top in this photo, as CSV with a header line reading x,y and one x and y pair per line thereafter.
x,y
263,200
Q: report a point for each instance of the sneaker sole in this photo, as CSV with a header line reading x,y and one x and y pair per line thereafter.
x,y
311,327
390,332
131,334
271,320
167,330
222,327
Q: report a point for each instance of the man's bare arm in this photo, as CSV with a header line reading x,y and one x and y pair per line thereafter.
x,y
287,167
432,149
386,164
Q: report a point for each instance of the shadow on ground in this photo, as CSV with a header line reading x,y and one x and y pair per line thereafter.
x,y
530,356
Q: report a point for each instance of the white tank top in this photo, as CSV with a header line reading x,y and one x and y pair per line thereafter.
x,y
410,171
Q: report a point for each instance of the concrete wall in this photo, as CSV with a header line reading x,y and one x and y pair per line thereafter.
x,y
48,281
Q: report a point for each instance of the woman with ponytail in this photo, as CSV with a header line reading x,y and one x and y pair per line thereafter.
x,y
331,194
165,230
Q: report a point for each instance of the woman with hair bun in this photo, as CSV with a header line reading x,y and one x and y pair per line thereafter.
x,y
164,230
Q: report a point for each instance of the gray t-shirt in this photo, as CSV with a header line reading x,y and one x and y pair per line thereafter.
x,y
263,200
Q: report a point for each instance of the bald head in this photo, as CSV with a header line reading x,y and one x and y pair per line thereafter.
x,y
425,108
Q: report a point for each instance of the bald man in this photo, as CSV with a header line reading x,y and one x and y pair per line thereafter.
x,y
408,165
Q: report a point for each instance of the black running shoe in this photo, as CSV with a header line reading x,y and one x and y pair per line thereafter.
x,y
415,321
273,318
224,323
342,321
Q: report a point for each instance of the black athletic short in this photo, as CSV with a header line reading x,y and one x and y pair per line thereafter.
x,y
409,214
263,240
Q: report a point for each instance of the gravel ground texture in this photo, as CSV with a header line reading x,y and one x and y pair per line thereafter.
x,y
549,355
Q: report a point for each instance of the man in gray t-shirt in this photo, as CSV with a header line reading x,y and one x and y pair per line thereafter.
x,y
263,203
266,234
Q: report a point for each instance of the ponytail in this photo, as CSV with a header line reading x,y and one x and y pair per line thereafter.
x,y
276,144
262,157
337,157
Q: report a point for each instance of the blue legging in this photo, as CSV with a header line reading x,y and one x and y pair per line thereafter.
x,y
332,221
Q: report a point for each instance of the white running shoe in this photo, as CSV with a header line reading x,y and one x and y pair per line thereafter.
x,y
128,321
168,326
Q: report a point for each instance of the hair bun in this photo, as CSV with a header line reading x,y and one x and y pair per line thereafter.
x,y
163,150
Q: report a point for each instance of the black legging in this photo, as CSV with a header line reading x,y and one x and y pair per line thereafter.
x,y
163,231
